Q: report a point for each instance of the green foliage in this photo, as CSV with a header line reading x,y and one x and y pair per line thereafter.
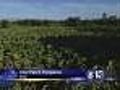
x,y
35,44
4,24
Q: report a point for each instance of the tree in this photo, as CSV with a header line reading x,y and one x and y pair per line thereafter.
x,y
4,24
72,21
112,17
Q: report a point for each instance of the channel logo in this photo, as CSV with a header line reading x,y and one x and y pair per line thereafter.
x,y
95,74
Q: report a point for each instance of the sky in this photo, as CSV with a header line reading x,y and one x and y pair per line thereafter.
x,y
57,9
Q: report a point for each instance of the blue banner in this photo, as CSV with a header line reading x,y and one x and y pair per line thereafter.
x,y
7,76
53,73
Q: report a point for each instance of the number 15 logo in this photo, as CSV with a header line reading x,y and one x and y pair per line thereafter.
x,y
98,74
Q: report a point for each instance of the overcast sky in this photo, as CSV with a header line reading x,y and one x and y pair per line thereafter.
x,y
57,9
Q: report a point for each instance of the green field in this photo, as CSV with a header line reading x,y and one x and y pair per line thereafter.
x,y
61,44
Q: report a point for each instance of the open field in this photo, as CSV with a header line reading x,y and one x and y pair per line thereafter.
x,y
29,45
